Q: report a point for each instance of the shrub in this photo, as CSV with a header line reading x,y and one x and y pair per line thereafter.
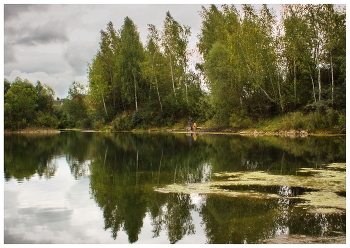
x,y
313,121
240,120
122,122
46,120
342,123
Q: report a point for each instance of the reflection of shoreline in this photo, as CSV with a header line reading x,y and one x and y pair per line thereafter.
x,y
281,133
121,171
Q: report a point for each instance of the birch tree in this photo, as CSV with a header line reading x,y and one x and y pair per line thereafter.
x,y
174,44
130,60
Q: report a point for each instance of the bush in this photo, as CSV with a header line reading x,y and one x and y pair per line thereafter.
x,y
98,124
240,120
316,120
46,120
142,118
122,122
320,107
342,123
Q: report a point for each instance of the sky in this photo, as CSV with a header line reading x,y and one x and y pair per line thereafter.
x,y
53,43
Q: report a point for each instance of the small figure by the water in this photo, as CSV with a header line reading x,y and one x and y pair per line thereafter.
x,y
191,124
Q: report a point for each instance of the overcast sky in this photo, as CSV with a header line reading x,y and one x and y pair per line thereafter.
x,y
53,43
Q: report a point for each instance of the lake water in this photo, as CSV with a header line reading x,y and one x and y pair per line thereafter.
x,y
80,187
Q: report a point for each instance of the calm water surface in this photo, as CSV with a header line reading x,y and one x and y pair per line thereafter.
x,y
77,187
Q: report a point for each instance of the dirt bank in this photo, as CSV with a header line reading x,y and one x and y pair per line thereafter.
x,y
34,130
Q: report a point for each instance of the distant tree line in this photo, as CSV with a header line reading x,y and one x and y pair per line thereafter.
x,y
254,68
27,105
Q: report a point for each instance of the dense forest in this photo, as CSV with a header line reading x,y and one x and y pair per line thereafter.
x,y
255,67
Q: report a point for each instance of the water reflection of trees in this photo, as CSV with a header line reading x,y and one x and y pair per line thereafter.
x,y
26,155
123,177
124,168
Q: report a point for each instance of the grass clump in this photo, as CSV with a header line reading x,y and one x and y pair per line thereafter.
x,y
312,122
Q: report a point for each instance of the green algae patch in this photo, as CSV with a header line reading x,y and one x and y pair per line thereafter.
x,y
209,188
318,189
323,202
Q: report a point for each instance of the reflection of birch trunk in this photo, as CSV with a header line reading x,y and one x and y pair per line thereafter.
x,y
104,161
160,164
282,163
137,165
175,173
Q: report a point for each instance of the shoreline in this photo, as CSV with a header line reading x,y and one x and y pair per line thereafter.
x,y
33,131
282,133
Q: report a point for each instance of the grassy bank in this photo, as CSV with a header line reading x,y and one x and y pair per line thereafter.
x,y
295,123
315,122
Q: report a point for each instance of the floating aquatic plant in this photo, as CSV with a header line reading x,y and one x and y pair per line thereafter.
x,y
323,188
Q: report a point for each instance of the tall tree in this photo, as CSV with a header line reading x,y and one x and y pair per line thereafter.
x,y
75,105
104,78
333,31
130,60
301,68
154,61
45,97
99,90
174,43
240,60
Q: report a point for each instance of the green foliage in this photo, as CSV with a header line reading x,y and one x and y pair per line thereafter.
x,y
253,69
130,60
75,107
98,124
153,84
46,120
20,104
45,97
331,120
7,85
123,122
240,120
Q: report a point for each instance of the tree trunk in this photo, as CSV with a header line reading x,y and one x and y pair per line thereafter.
x,y
135,91
313,86
172,74
295,83
319,83
155,78
104,104
319,74
332,73
280,96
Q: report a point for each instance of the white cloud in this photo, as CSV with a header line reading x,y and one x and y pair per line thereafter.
x,y
58,82
53,43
